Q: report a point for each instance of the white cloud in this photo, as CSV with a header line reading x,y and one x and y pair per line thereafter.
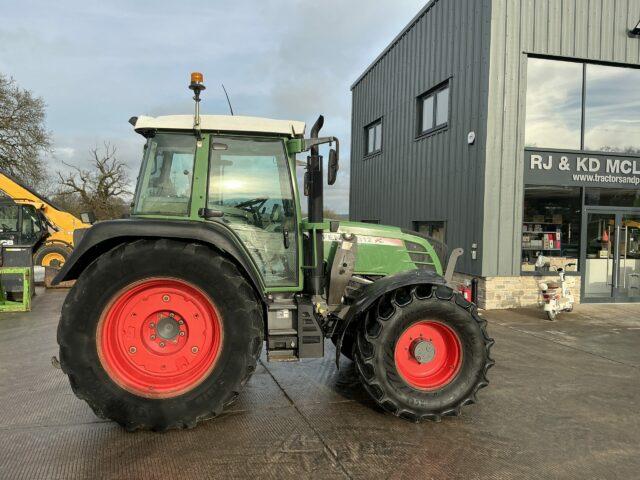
x,y
98,63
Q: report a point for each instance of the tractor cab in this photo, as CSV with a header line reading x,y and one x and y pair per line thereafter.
x,y
20,225
238,174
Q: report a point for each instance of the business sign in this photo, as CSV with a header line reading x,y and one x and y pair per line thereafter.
x,y
543,167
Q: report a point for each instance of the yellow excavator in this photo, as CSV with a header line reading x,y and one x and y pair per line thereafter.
x,y
57,226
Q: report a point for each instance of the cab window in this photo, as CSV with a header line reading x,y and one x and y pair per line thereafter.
x,y
167,174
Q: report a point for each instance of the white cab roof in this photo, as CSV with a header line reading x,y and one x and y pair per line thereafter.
x,y
223,123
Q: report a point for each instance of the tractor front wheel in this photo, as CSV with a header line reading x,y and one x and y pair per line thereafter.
x,y
160,334
422,352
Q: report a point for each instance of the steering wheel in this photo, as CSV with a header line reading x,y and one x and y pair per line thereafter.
x,y
254,205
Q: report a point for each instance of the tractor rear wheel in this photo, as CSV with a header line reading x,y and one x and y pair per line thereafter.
x,y
160,334
422,352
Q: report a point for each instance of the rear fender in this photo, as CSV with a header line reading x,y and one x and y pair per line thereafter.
x,y
104,236
372,292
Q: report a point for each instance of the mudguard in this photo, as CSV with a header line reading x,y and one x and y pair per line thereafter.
x,y
104,236
370,293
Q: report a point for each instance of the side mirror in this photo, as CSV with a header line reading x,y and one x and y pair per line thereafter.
x,y
333,167
88,217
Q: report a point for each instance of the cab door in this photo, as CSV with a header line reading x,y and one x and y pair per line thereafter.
x,y
250,185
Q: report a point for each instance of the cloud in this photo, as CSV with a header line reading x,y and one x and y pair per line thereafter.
x,y
98,63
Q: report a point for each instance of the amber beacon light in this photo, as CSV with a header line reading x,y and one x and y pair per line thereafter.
x,y
196,78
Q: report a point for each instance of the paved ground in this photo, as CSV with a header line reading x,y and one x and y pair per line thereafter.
x,y
563,403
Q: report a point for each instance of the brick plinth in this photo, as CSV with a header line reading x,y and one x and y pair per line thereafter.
x,y
514,292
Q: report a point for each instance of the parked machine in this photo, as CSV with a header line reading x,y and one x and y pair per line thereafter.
x,y
556,296
21,229
55,246
171,306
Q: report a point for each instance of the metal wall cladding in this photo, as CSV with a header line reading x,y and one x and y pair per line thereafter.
x,y
584,29
437,177
482,46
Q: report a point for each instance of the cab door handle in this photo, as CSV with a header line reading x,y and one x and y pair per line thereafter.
x,y
285,237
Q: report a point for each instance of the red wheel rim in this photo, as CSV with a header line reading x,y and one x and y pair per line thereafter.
x,y
428,355
159,337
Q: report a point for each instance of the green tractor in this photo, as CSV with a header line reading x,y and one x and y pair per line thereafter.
x,y
171,306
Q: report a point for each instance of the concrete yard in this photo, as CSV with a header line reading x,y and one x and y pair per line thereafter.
x,y
563,403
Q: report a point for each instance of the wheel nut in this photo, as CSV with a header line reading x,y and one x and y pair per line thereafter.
x,y
132,350
162,344
180,322
165,298
172,314
194,350
153,337
182,334
152,325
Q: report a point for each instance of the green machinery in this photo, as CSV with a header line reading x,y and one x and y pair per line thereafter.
x,y
172,307
22,229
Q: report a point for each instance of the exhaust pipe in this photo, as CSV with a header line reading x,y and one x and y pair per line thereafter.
x,y
315,205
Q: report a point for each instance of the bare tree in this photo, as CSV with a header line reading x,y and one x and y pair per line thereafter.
x,y
23,136
103,188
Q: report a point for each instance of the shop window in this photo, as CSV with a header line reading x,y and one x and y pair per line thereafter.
x,y
374,137
554,104
551,228
433,109
612,197
611,115
433,229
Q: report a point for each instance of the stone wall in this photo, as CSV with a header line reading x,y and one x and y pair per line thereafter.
x,y
513,292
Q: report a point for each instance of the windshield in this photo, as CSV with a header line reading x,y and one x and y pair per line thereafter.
x,y
166,175
249,181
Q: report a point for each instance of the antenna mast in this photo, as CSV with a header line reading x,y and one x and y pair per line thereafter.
x,y
228,101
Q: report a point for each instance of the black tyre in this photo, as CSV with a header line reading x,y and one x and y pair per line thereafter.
x,y
52,255
423,352
160,334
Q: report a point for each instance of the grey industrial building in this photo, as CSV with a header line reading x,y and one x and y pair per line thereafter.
x,y
510,128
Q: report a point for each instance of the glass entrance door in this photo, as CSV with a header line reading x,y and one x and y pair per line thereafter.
x,y
599,261
627,280
612,256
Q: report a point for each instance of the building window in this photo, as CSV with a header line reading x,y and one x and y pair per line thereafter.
x,y
374,137
371,221
580,106
551,228
612,100
433,229
554,104
433,109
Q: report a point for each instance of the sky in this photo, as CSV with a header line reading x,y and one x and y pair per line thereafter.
x,y
96,64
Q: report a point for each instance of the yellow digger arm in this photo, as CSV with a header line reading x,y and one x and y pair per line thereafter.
x,y
62,222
